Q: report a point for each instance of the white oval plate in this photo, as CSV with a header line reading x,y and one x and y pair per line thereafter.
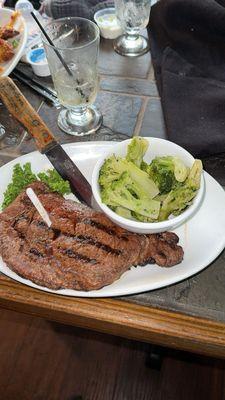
x,y
202,237
20,25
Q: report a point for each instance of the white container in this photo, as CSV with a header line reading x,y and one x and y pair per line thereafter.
x,y
108,23
157,147
38,61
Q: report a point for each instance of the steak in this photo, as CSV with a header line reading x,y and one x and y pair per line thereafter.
x,y
82,249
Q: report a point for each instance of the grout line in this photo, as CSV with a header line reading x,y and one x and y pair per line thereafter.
x,y
23,137
139,121
40,105
129,78
142,96
150,74
125,94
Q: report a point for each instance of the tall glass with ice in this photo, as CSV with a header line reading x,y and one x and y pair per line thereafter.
x,y
133,16
77,42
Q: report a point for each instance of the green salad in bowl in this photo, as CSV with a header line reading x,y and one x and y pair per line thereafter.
x,y
143,184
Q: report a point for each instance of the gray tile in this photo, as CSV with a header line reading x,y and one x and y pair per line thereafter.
x,y
119,118
119,111
132,86
153,123
14,131
5,159
111,63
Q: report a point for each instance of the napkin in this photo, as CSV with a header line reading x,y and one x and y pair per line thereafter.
x,y
73,8
188,53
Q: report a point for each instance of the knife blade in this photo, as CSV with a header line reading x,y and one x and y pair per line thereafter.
x,y
21,109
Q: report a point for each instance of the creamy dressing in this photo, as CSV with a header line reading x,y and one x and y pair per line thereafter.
x,y
108,24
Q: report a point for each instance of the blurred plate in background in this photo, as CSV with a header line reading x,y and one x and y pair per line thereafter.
x,y
20,25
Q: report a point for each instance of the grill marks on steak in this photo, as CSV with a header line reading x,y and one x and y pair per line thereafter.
x,y
82,250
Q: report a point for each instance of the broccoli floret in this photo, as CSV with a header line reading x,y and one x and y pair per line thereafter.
x,y
111,170
136,150
166,171
144,166
114,167
147,192
181,197
126,193
161,171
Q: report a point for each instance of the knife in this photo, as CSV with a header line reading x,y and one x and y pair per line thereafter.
x,y
21,109
29,75
37,88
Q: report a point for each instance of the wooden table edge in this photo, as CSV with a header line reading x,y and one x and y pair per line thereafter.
x,y
118,317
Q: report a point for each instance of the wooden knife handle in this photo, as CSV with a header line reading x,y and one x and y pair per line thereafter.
x,y
21,109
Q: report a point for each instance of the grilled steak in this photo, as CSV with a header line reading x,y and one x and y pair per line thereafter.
x,y
82,250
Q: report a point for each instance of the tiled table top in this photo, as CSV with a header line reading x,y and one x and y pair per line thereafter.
x,y
129,102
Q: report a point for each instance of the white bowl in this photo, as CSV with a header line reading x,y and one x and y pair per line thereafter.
x,y
157,147
108,29
38,61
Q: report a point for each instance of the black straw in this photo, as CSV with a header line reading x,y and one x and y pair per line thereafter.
x,y
52,44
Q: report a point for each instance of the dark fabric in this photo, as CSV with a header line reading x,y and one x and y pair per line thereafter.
x,y
188,52
11,3
73,8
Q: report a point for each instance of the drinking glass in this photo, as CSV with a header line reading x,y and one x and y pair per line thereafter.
x,y
76,40
133,16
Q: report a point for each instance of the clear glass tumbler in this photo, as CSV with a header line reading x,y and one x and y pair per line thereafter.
x,y
77,42
133,16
